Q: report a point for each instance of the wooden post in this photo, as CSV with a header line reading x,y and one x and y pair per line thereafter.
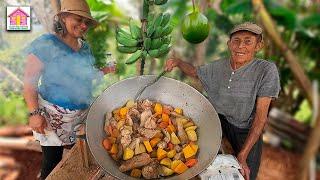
x,y
56,6
303,81
293,62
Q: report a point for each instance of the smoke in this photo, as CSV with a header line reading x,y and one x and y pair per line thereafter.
x,y
67,75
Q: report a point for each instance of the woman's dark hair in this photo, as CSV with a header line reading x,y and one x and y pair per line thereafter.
x,y
58,25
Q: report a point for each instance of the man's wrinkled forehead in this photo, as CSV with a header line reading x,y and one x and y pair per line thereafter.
x,y
243,35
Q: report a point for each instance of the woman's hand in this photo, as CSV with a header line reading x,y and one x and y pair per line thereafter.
x,y
109,69
38,123
171,63
245,170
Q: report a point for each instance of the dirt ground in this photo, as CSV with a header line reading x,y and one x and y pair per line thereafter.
x,y
276,164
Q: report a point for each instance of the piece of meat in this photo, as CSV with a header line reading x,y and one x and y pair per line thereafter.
x,y
134,142
148,133
146,104
151,123
113,122
178,148
167,108
166,139
166,133
151,171
120,152
182,133
129,121
179,156
133,116
144,117
162,145
125,132
108,116
125,141
135,162
135,127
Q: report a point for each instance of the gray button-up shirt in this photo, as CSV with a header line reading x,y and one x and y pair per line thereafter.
x,y
233,93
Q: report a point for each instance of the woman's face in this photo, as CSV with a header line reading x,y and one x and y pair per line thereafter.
x,y
76,25
243,45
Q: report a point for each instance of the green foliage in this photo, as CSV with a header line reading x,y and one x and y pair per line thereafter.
x,y
283,16
13,110
304,114
311,21
240,7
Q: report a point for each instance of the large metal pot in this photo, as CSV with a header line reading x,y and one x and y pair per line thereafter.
x,y
167,91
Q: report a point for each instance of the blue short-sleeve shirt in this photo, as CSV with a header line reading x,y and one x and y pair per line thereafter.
x,y
67,75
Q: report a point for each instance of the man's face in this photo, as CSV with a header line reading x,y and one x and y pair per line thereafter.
x,y
243,45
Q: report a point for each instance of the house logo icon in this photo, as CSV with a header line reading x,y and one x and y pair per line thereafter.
x,y
18,18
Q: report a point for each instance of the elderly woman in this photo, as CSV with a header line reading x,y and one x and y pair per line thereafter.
x,y
59,73
240,88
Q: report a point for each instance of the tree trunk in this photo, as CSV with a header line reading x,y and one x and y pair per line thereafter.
x,y
11,75
38,7
19,144
15,131
56,6
303,81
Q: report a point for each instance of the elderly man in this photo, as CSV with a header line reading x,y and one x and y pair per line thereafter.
x,y
240,88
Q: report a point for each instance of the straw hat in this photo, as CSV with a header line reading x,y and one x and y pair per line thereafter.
x,y
78,7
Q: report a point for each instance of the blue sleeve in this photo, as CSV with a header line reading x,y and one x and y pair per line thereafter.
x,y
41,47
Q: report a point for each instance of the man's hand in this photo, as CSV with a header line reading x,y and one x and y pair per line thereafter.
x,y
170,64
38,123
245,170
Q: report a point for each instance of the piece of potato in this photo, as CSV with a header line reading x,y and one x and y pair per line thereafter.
x,y
182,120
161,154
195,147
123,112
166,161
188,124
128,154
175,163
171,153
178,110
147,145
142,148
174,138
171,128
191,128
130,103
180,168
192,135
188,151
154,141
158,108
166,171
